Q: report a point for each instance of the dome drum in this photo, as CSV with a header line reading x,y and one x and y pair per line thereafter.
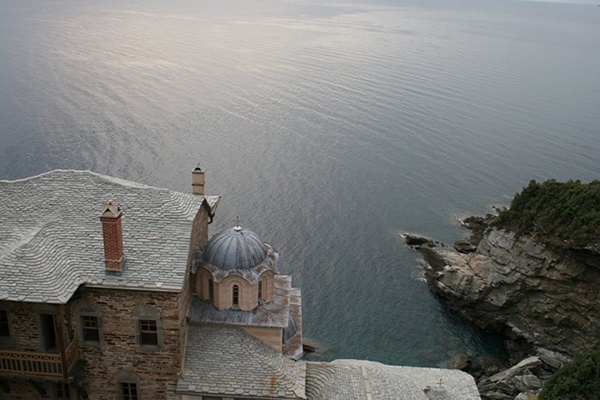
x,y
236,270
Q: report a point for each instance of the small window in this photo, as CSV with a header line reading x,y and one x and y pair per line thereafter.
x,y
129,391
260,290
61,391
148,332
236,295
211,290
90,328
4,328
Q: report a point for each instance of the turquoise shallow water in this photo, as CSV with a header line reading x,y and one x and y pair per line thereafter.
x,y
329,129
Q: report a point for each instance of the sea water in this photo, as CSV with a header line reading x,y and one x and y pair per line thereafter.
x,y
328,128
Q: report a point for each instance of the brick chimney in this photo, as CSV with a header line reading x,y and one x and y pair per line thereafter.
x,y
198,181
113,236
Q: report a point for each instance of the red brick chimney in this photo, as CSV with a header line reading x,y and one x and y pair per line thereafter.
x,y
113,236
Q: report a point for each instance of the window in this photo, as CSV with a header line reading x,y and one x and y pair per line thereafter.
x,y
61,391
127,385
128,391
148,332
90,328
236,295
211,290
4,328
148,325
260,290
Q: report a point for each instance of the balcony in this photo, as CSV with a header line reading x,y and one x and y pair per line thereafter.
x,y
43,365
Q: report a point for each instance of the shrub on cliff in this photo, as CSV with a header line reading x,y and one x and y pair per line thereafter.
x,y
579,380
562,213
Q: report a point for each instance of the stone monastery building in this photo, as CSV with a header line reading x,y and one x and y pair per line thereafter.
x,y
111,289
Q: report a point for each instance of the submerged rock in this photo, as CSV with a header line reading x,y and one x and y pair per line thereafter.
x,y
459,361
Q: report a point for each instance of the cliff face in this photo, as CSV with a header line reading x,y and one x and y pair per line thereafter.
x,y
523,289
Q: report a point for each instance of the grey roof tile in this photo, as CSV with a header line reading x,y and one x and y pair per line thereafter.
x,y
223,360
51,235
358,380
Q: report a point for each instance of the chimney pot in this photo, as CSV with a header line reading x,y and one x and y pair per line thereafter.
x,y
198,181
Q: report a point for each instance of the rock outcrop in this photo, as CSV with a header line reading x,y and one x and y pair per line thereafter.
x,y
544,300
522,289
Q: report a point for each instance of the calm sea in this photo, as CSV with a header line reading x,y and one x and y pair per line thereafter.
x,y
329,129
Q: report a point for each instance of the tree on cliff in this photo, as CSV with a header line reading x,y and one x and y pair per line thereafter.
x,y
566,214
579,380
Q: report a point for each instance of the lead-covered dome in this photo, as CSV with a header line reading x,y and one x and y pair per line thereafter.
x,y
235,248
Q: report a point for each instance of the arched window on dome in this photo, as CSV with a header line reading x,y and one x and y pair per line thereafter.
x,y
236,295
211,290
260,290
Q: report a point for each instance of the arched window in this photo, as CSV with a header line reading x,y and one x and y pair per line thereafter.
x,y
236,295
211,290
260,290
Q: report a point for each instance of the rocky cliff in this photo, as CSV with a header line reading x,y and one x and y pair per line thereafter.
x,y
543,297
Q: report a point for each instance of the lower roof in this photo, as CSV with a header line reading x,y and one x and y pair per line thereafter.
x,y
225,361
359,380
274,314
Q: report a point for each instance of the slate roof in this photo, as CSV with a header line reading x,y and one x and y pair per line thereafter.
x,y
286,306
274,314
51,236
359,380
235,248
223,361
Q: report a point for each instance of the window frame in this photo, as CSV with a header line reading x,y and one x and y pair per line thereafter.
x,y
61,391
235,295
5,324
87,310
211,290
90,329
148,332
126,388
144,316
260,290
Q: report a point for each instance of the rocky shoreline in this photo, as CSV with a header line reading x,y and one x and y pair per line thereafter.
x,y
543,300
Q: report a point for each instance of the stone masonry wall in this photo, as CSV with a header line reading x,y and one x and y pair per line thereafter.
x,y
21,390
119,351
25,325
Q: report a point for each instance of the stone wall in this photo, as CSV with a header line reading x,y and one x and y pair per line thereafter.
x,y
223,291
119,352
199,229
11,389
25,325
272,337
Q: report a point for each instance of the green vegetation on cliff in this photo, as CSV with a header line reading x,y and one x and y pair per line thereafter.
x,y
579,380
563,213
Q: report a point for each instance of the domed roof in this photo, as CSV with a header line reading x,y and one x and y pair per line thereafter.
x,y
235,248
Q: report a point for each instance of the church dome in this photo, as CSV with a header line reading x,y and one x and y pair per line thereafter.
x,y
235,248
